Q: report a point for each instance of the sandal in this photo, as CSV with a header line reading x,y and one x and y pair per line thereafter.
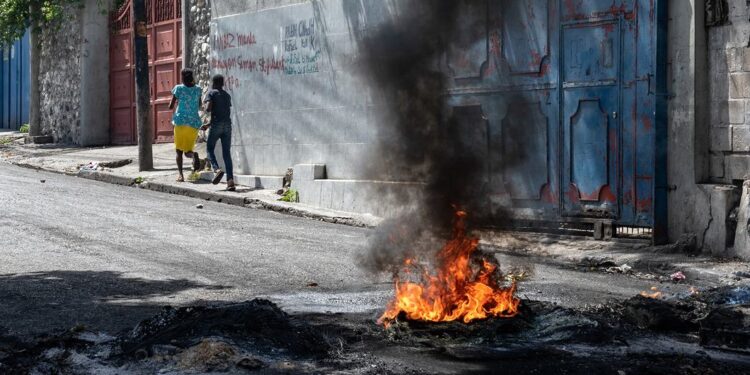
x,y
180,179
217,178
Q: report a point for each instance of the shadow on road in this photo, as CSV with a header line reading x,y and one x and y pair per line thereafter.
x,y
40,302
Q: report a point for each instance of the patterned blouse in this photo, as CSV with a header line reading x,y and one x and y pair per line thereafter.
x,y
187,106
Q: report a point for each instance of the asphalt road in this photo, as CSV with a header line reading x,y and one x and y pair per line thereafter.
x,y
76,251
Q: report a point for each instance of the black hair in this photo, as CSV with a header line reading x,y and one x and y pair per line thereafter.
x,y
217,82
187,77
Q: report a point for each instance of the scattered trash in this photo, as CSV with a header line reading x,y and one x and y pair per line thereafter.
x,y
199,206
116,163
90,167
312,285
620,269
678,276
597,262
738,296
742,274
138,180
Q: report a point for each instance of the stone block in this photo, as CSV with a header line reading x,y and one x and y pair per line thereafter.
x,y
741,138
721,138
746,59
736,112
735,59
739,87
738,36
737,167
717,166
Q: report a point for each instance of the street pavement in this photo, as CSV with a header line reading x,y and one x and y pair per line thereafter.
x,y
80,252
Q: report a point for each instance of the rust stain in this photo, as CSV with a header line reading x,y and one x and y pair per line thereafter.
x,y
644,205
606,195
647,124
548,195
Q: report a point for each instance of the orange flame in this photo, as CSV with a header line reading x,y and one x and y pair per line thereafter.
x,y
457,291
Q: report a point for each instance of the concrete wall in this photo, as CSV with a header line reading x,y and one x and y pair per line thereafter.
x,y
729,65
315,113
198,29
60,80
94,129
696,206
74,80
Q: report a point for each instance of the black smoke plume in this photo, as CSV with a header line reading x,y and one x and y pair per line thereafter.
x,y
422,138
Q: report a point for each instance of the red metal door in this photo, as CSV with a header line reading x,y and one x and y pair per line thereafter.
x,y
165,63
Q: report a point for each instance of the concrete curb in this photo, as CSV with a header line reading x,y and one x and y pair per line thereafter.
x,y
194,193
106,177
289,209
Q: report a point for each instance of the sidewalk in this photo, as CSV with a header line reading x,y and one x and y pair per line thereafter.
x,y
119,165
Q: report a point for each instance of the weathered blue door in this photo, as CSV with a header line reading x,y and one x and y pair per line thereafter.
x,y
569,92
14,84
591,113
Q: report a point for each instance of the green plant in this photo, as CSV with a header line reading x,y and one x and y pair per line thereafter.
x,y
291,196
194,176
6,140
24,128
138,180
16,16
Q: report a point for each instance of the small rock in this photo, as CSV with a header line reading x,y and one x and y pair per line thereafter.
x,y
42,181
312,285
199,206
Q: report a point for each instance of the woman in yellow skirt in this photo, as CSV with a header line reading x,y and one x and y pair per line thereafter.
x,y
186,120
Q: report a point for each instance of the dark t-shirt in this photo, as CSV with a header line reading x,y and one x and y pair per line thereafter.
x,y
221,106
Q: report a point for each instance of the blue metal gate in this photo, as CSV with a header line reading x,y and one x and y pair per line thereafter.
x,y
14,84
569,91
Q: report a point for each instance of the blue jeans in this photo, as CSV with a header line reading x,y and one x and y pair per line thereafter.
x,y
221,131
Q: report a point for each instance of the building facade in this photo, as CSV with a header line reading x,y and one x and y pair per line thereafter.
x,y
635,113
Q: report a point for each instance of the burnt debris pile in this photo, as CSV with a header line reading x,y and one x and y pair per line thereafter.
x,y
697,334
258,323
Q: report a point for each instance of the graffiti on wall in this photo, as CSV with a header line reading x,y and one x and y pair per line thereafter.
x,y
301,52
237,53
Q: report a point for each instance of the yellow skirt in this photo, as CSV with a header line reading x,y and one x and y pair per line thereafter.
x,y
184,137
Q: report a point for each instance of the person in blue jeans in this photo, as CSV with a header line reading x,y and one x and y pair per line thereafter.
x,y
219,104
